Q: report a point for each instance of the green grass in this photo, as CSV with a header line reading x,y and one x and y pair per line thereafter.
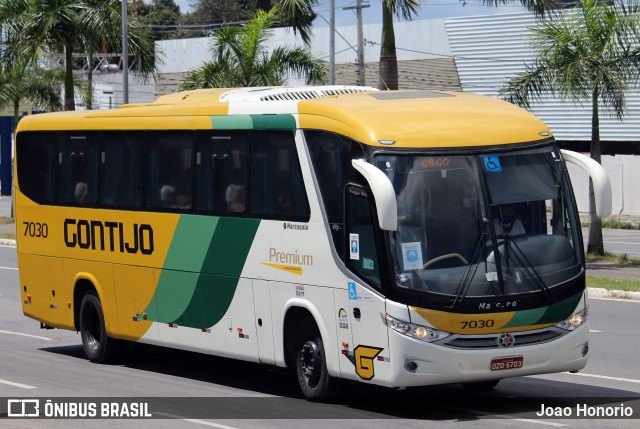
x,y
4,219
7,235
613,284
616,224
610,258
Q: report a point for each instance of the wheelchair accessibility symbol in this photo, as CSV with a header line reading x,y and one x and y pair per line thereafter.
x,y
353,295
492,164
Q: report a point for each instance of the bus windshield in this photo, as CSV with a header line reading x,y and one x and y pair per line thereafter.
x,y
489,224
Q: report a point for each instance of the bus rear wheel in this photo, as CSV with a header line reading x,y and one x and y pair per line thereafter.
x,y
98,346
311,364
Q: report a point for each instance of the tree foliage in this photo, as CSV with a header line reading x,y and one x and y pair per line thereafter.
x,y
69,26
589,54
241,58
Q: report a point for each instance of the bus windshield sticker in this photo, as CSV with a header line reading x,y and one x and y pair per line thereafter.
x,y
367,264
412,256
354,246
492,164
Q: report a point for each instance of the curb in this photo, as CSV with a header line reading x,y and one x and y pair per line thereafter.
x,y
604,293
7,242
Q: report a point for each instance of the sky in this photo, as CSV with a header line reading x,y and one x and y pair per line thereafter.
x,y
373,14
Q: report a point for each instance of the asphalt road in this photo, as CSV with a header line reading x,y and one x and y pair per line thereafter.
x,y
51,363
619,241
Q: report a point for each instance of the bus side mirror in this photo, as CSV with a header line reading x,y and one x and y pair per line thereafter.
x,y
601,184
383,192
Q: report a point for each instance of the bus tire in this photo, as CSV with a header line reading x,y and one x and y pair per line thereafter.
x,y
481,385
98,346
311,364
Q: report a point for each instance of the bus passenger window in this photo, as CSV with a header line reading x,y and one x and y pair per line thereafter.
x,y
169,172
121,161
37,152
221,172
276,188
78,169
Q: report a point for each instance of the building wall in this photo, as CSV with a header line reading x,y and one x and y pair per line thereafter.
x,y
624,174
490,49
429,67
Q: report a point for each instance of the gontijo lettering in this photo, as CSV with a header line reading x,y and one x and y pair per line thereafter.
x,y
111,236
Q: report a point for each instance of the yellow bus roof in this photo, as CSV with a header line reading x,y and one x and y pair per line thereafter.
x,y
409,119
423,119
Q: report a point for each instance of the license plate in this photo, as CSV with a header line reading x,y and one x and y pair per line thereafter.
x,y
512,362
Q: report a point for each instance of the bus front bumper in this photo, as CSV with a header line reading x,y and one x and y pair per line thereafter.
x,y
435,364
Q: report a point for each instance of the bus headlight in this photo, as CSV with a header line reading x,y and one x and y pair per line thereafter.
x,y
412,330
576,320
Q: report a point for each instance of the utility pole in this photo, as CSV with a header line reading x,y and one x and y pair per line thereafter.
x,y
358,7
332,42
125,54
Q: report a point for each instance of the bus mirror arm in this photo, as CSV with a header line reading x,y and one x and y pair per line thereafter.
x,y
601,184
383,192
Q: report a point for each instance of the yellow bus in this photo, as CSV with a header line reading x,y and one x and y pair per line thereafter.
x,y
399,238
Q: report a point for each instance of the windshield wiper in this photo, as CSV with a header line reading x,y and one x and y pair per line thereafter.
x,y
524,262
463,286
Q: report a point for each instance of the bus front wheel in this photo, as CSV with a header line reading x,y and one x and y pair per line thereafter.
x,y
311,364
98,346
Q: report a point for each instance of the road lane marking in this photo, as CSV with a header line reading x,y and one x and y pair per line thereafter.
x,y
198,421
9,268
631,301
502,416
605,377
595,331
22,386
25,335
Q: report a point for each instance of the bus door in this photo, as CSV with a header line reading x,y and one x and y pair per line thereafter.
x,y
369,351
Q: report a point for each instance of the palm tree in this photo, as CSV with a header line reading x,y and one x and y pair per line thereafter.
x,y
388,66
298,14
407,9
241,59
588,54
36,86
65,25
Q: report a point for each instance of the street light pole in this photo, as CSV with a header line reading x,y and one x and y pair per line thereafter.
x,y
125,54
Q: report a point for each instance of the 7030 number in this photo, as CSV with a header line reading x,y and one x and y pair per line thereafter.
x,y
36,229
475,324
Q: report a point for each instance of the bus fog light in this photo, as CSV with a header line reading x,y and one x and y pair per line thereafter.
x,y
411,366
585,350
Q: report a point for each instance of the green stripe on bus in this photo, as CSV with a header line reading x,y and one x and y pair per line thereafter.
x,y
202,269
273,122
553,313
525,317
255,122
561,310
179,275
230,246
232,122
